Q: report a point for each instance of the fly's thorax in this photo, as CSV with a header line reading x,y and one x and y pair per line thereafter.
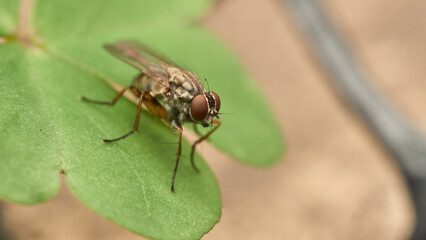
x,y
184,83
183,87
177,107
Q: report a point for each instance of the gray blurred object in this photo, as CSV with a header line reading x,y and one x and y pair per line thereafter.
x,y
4,232
406,145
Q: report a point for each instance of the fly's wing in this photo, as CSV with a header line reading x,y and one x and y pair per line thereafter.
x,y
161,60
151,53
143,59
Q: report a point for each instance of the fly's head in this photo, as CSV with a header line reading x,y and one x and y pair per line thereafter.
x,y
204,107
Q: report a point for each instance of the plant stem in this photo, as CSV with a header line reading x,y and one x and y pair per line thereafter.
x,y
23,32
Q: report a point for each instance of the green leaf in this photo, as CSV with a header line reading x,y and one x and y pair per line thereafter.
x,y
46,129
29,150
129,181
81,20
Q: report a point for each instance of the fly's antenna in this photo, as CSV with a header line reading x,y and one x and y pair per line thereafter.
x,y
208,86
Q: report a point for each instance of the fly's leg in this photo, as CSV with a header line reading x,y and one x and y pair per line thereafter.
x,y
195,127
179,152
142,97
217,123
119,94
135,125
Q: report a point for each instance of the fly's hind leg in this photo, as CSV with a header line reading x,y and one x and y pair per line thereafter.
x,y
135,125
143,96
119,94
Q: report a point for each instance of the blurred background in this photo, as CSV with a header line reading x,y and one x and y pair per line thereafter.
x,y
336,181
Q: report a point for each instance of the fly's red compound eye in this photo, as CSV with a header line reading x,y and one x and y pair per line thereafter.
x,y
199,108
217,100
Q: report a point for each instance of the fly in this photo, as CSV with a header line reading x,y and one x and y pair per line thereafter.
x,y
168,91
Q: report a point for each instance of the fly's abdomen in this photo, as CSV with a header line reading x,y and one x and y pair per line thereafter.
x,y
144,83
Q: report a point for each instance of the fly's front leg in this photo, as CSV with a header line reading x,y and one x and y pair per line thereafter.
x,y
217,123
179,152
195,127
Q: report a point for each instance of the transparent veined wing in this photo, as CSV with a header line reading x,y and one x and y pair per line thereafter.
x,y
151,53
142,58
